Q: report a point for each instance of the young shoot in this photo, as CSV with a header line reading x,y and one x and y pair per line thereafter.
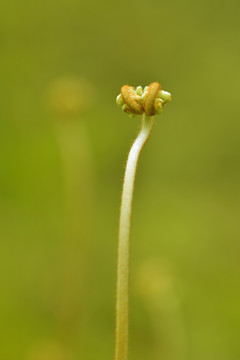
x,y
147,102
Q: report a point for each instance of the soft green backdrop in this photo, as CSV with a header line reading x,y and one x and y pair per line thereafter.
x,y
63,145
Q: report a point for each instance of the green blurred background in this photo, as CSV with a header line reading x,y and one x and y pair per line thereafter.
x,y
63,146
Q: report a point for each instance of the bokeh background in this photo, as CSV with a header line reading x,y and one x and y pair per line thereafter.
x,y
63,146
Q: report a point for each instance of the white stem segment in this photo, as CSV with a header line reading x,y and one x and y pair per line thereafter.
x,y
121,350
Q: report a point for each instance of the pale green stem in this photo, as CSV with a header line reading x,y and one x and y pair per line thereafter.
x,y
121,350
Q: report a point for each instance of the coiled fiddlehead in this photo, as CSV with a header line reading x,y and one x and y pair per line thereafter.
x,y
136,101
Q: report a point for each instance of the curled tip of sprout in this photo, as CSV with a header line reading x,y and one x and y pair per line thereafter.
x,y
136,101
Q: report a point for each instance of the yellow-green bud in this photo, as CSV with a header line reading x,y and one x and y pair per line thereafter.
x,y
165,96
119,100
131,115
139,90
158,105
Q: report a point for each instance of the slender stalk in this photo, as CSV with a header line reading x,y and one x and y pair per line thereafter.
x,y
121,350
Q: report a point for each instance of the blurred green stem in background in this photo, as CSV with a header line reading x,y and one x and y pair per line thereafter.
x,y
160,291
74,147
68,96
